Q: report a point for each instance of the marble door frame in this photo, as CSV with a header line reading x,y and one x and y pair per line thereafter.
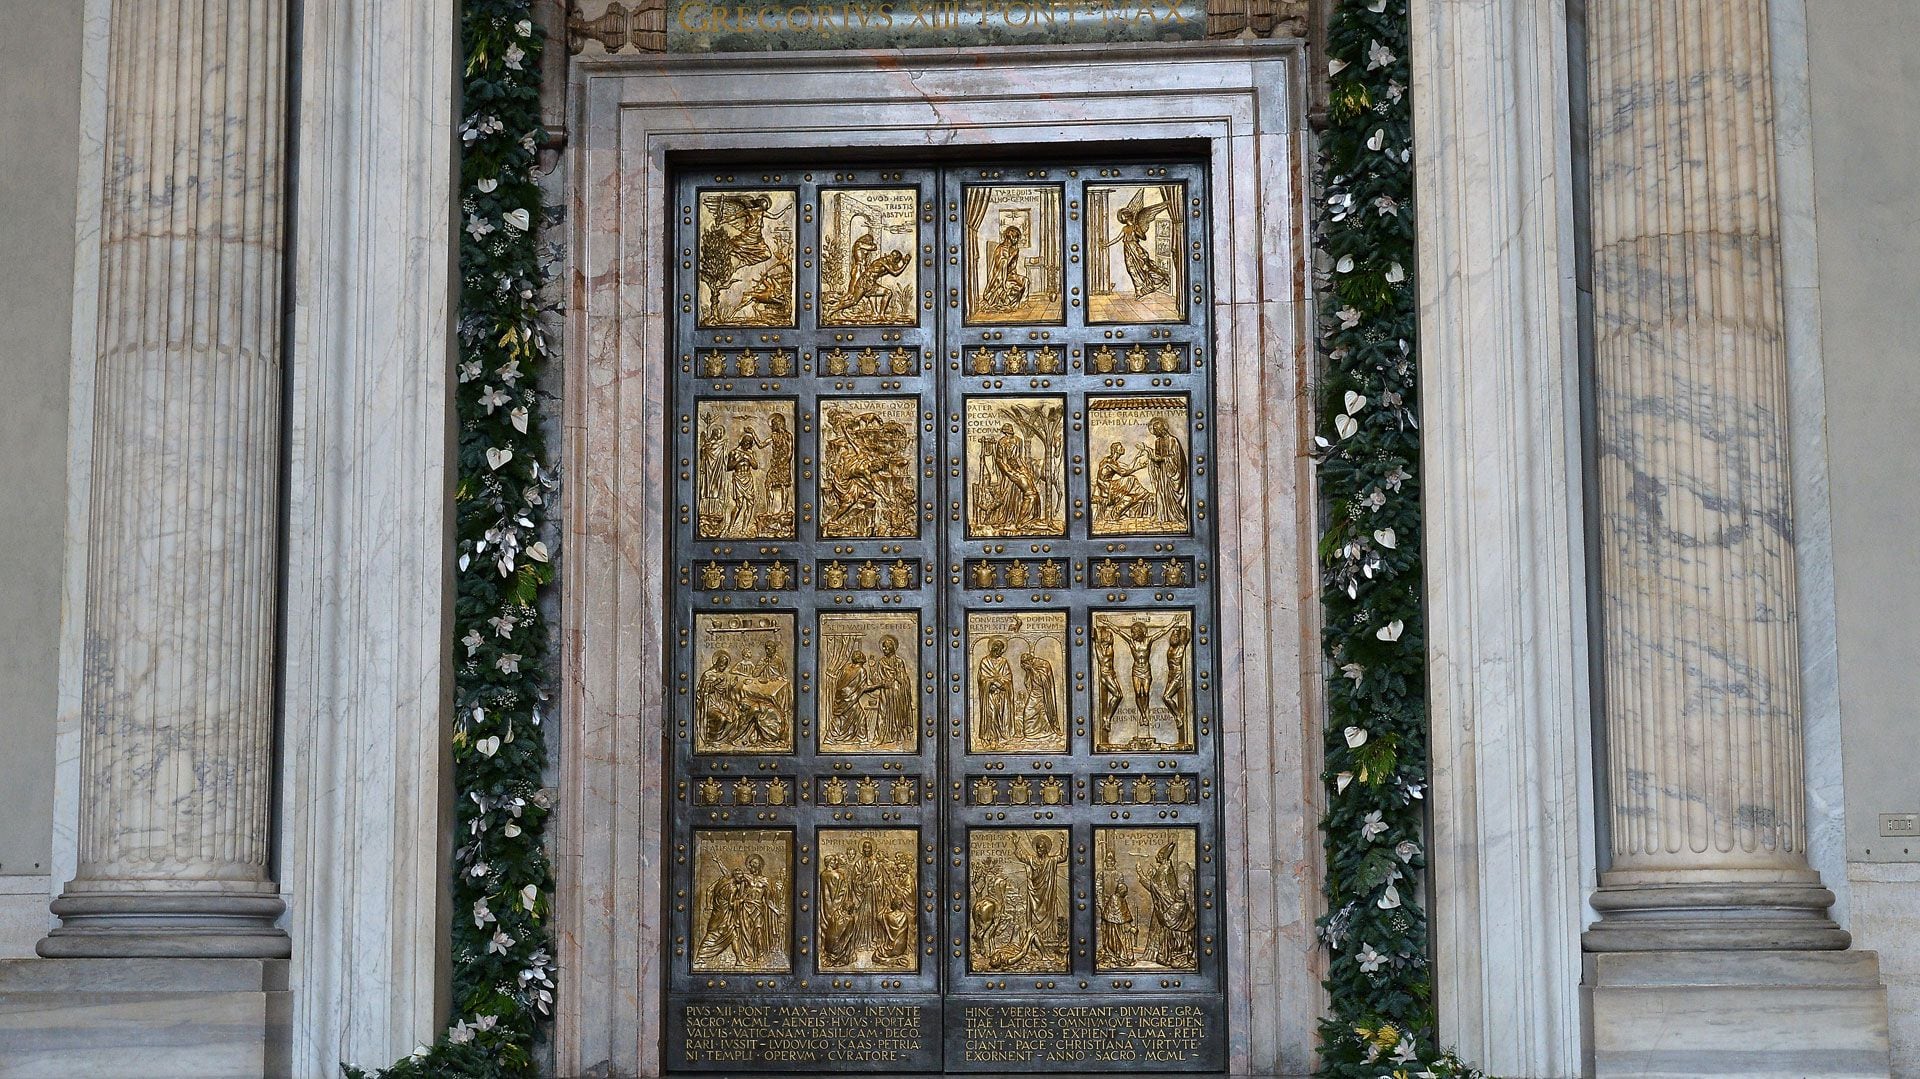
x,y
1243,103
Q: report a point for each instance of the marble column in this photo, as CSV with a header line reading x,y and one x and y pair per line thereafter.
x,y
1705,777
178,695
1714,953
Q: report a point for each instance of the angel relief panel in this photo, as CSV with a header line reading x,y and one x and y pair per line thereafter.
x,y
944,774
1135,255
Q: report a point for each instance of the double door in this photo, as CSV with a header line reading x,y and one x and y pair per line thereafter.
x,y
942,713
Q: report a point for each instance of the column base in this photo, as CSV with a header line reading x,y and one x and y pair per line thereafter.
x,y
1754,1014
172,924
143,1018
1667,912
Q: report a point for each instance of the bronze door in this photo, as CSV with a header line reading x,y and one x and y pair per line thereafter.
x,y
943,729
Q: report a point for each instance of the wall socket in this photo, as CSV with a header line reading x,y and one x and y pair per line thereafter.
x,y
1894,825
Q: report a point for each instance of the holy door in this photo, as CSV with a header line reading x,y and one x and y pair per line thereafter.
x,y
943,700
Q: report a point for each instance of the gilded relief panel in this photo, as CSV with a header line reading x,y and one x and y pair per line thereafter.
x,y
870,467
744,269
1013,264
1016,681
1016,472
869,682
742,896
1141,481
1143,681
1018,919
1135,236
868,256
1147,913
743,695
869,907
743,473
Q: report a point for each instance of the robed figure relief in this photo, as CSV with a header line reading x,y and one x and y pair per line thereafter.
x,y
743,685
1146,910
743,885
744,266
869,468
869,917
870,682
1142,476
1013,257
1016,693
1016,466
1017,911
1143,681
868,272
1134,255
743,475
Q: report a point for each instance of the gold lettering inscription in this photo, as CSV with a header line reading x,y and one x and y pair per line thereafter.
x,y
1101,1033
801,1033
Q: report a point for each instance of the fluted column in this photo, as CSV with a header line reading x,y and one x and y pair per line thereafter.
x,y
178,692
1701,706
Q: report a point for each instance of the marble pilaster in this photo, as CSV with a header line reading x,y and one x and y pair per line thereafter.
x,y
367,793
177,688
1512,839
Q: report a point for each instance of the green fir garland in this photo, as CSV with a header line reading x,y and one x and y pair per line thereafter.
x,y
503,883
1381,1020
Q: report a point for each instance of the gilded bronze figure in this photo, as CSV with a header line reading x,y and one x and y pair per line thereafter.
x,y
744,473
1141,484
869,478
1016,466
745,263
1141,650
1013,254
743,883
869,911
1147,908
1143,226
869,699
1018,682
867,266
1017,921
743,696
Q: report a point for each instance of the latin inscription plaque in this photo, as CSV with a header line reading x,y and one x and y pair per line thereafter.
x,y
1135,1035
803,1035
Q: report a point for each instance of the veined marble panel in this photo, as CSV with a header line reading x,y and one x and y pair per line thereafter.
x,y
1242,102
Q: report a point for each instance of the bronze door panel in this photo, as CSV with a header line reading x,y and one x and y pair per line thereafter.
x,y
942,717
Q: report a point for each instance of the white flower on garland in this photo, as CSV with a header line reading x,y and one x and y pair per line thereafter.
x,y
1353,671
1378,55
1406,1052
500,943
518,219
478,226
1372,826
509,663
1406,849
491,399
473,641
1389,899
1370,960
460,1033
482,914
1386,537
1391,631
514,56
1355,736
